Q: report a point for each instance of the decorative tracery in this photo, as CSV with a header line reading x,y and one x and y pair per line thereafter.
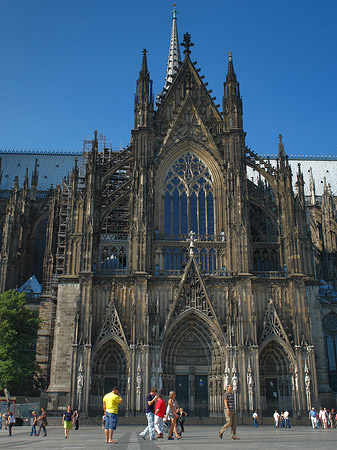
x,y
188,197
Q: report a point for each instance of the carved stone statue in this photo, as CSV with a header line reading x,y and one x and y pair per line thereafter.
x,y
226,380
250,379
153,379
307,383
226,376
250,384
235,382
138,387
307,380
80,379
129,383
139,378
296,378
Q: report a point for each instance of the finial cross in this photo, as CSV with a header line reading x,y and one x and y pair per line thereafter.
x,y
174,12
187,43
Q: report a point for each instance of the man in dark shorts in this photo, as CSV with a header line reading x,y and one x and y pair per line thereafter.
x,y
229,413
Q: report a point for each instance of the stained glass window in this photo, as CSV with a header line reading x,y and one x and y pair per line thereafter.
x,y
188,197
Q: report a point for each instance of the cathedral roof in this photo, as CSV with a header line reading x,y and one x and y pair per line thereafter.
x,y
51,167
322,167
32,287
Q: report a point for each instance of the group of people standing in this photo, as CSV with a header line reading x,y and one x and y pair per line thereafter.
x,y
281,420
157,413
10,421
325,418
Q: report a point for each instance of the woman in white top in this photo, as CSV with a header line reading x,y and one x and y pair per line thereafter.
x,y
10,423
173,415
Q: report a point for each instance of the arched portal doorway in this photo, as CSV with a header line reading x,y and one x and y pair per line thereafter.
x,y
276,369
110,367
192,364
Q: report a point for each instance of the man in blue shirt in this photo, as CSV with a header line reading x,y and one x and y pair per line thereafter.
x,y
149,410
313,417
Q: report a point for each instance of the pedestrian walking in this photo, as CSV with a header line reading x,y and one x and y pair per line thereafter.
x,y
44,422
77,419
255,418
333,418
149,411
34,423
159,414
276,417
10,423
286,419
67,421
313,417
173,408
181,420
230,413
110,408
323,418
6,418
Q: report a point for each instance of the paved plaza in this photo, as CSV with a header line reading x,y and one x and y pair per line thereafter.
x,y
205,437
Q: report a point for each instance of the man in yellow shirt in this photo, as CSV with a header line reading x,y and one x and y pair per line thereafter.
x,y
110,408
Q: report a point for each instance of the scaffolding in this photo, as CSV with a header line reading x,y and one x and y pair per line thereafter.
x,y
62,229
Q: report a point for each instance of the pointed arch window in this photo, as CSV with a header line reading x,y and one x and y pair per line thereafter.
x,y
188,197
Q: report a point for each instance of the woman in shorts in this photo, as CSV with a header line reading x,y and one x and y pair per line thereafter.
x,y
173,415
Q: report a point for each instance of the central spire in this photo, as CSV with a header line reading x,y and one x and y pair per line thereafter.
x,y
174,54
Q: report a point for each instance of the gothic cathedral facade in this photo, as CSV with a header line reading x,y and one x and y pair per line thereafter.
x,y
166,265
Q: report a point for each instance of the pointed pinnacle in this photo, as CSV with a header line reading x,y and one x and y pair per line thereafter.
x,y
174,51
144,62
187,43
231,74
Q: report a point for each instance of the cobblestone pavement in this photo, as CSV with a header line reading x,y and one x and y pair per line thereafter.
x,y
203,437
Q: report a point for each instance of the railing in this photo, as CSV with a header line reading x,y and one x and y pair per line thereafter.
x,y
270,274
266,239
186,237
99,271
179,272
114,237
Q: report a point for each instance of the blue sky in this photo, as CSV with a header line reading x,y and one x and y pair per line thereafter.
x,y
70,67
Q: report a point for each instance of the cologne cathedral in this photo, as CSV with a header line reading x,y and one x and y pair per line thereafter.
x,y
185,261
